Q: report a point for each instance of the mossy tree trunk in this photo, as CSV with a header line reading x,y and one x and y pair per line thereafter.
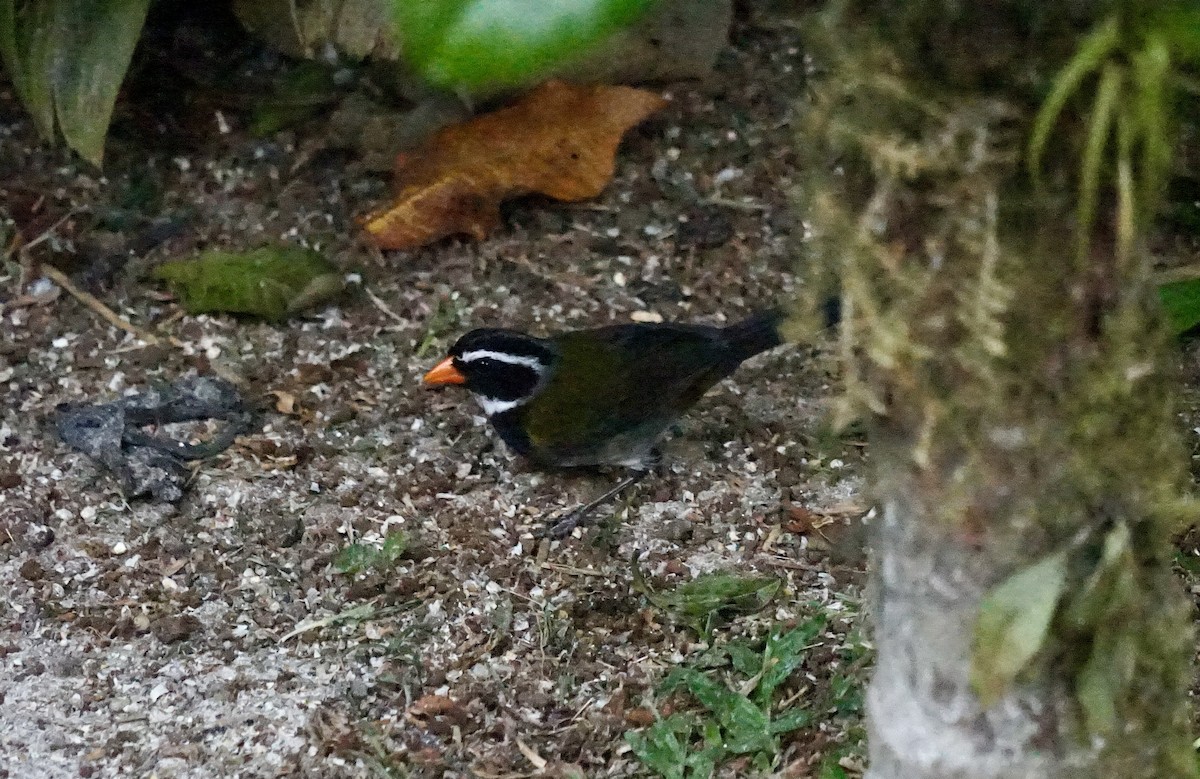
x,y
1027,467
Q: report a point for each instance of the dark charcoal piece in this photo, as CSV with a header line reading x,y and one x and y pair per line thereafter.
x,y
147,464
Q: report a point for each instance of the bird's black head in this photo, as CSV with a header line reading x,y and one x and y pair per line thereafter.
x,y
502,368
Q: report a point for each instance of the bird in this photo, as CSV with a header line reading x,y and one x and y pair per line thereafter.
x,y
603,396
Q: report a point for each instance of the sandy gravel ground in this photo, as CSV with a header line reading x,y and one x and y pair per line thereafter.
x,y
142,639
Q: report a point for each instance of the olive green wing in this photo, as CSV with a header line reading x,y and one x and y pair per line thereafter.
x,y
623,380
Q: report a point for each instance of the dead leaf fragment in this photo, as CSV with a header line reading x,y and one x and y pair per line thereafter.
x,y
436,706
803,520
286,403
559,140
640,718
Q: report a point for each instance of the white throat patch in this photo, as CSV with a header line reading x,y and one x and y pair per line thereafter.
x,y
492,406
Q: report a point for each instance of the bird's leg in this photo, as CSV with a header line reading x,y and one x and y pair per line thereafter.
x,y
582,515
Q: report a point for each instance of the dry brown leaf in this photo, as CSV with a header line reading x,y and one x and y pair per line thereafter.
x,y
437,705
640,718
286,403
824,530
802,520
559,140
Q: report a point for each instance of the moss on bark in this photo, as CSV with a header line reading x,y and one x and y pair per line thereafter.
x,y
1025,395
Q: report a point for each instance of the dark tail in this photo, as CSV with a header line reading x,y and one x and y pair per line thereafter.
x,y
757,333
761,331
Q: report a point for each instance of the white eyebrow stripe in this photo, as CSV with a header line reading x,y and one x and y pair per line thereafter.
x,y
509,359
493,406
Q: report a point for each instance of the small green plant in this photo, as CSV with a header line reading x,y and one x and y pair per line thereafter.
x,y
710,598
740,715
844,712
446,317
375,753
357,558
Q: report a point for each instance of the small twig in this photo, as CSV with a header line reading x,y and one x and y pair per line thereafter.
x,y
795,565
363,612
92,302
84,297
21,249
384,306
737,205
773,535
13,245
539,763
572,570
49,231
572,720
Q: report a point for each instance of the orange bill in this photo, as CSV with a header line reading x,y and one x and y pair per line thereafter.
x,y
444,373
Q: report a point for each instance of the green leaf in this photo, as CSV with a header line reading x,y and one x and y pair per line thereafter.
x,y
831,770
744,660
1104,677
300,92
355,558
394,546
847,695
663,747
745,727
1014,619
94,43
1181,303
783,654
1188,561
1151,70
272,282
67,59
445,318
483,44
27,49
702,764
739,720
793,719
1108,587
